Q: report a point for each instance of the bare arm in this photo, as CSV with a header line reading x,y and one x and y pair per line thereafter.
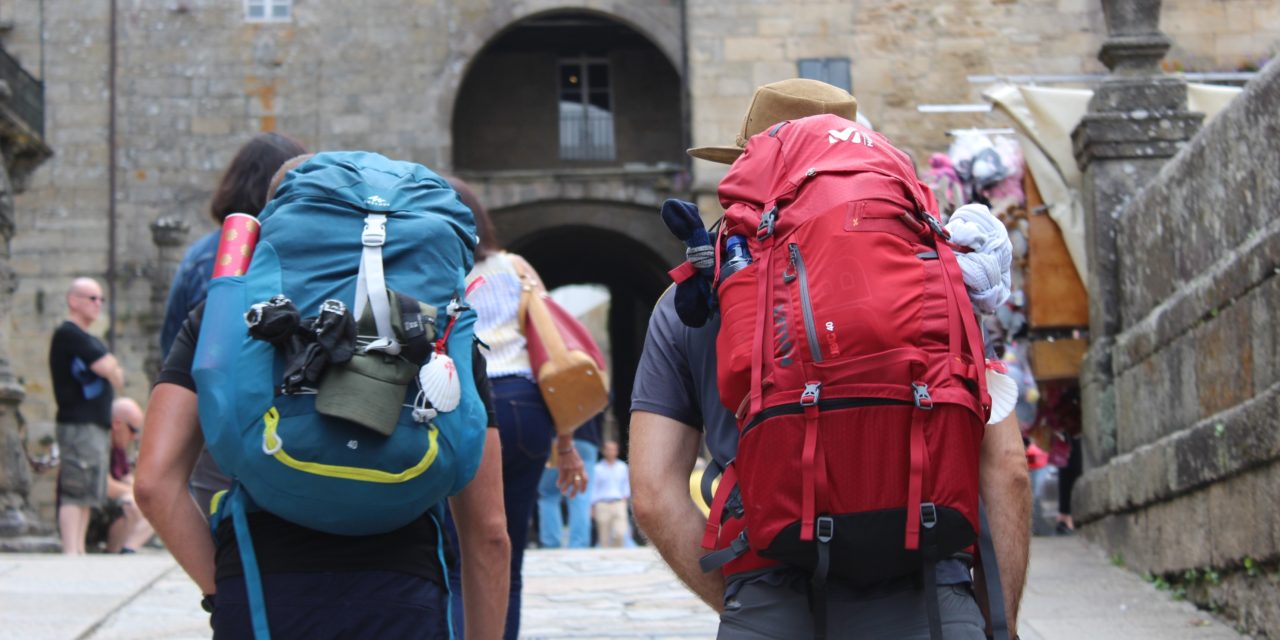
x,y
1006,491
171,442
663,452
485,547
108,368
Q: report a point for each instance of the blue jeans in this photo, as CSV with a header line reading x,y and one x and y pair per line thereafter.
x,y
356,604
550,524
526,432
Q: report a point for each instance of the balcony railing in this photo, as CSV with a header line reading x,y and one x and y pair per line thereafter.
x,y
26,101
585,135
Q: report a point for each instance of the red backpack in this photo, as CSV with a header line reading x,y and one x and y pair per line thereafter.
x,y
851,354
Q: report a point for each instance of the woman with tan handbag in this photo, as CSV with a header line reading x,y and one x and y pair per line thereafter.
x,y
526,428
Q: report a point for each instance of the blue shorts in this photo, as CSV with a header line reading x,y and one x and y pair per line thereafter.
x,y
348,605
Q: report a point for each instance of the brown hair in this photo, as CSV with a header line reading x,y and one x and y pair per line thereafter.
x,y
289,165
243,188
488,244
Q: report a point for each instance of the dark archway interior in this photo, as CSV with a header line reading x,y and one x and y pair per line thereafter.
x,y
512,112
634,275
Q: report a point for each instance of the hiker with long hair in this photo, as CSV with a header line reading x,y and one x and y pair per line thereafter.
x,y
524,424
242,189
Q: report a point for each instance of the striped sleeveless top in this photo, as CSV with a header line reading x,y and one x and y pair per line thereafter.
x,y
497,304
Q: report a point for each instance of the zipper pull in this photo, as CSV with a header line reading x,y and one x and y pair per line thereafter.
x,y
789,274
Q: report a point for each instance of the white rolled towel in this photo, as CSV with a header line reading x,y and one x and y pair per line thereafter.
x,y
986,267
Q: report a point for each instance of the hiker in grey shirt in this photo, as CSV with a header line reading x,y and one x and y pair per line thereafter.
x,y
675,403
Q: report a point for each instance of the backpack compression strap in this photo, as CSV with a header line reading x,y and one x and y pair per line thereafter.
x,y
991,574
371,285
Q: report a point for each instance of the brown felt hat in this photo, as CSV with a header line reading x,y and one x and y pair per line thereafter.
x,y
778,101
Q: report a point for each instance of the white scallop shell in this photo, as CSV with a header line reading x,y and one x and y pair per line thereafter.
x,y
1004,395
440,384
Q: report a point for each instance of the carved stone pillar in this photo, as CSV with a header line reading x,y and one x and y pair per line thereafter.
x,y
1137,120
20,527
170,237
22,149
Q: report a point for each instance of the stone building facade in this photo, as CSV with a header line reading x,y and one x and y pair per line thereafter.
x,y
470,87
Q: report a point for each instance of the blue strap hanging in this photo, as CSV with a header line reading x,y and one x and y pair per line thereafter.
x,y
234,504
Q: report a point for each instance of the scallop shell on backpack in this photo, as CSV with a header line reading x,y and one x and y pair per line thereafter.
x,y
1004,395
440,384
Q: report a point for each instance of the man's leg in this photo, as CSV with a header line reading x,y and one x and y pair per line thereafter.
x,y
73,526
137,530
580,505
550,528
598,516
82,480
621,525
614,522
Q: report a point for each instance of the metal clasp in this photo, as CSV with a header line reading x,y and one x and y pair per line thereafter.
x,y
767,222
935,225
923,399
824,529
928,515
812,390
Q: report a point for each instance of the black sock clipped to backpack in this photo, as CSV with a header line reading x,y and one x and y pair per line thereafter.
x,y
694,302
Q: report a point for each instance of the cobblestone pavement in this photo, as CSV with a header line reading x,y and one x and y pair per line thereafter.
x,y
1072,593
608,593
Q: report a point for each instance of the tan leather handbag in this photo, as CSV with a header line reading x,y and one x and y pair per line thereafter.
x,y
565,359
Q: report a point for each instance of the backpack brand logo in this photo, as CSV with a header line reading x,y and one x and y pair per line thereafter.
x,y
784,349
850,136
377,201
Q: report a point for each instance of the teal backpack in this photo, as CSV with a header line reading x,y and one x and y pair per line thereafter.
x,y
344,226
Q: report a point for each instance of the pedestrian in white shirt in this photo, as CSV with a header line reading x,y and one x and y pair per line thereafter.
x,y
610,493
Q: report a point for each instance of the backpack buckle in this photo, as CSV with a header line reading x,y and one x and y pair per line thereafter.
x,y
928,515
935,225
812,391
375,230
824,529
767,222
921,392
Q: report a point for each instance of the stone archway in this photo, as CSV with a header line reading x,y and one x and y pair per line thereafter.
x,y
568,122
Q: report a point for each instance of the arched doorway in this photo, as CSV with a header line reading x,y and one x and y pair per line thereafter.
x,y
569,126
593,251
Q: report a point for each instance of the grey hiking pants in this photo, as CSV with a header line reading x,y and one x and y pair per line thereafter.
x,y
777,607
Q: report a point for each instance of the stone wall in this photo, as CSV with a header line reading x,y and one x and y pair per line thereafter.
x,y
1195,484
194,81
910,52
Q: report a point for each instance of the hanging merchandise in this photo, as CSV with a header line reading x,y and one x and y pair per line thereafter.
x,y
1007,193
948,188
976,160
